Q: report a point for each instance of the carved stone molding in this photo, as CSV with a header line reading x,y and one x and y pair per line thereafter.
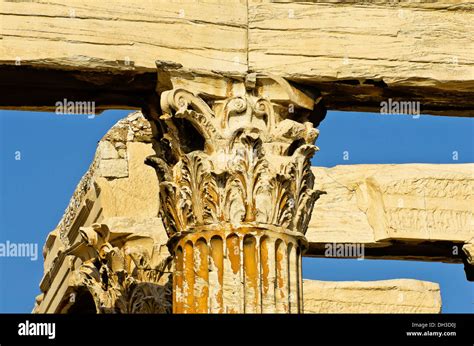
x,y
120,279
233,161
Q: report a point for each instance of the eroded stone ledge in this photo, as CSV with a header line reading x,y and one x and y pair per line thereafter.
x,y
385,296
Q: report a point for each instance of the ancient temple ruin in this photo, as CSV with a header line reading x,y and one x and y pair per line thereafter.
x,y
203,199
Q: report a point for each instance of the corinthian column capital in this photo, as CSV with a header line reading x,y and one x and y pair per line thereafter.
x,y
233,161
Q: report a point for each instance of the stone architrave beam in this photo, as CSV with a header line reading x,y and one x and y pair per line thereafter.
x,y
400,296
404,211
357,54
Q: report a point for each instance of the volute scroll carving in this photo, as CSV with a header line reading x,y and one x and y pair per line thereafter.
x,y
253,164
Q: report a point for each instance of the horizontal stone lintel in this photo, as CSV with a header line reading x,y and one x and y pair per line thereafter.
x,y
384,296
403,211
355,54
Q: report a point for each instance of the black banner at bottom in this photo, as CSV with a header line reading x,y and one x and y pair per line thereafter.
x,y
310,329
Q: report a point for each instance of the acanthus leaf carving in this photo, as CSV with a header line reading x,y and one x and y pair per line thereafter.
x,y
120,279
254,165
303,181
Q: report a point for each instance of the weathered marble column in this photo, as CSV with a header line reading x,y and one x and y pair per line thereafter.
x,y
236,188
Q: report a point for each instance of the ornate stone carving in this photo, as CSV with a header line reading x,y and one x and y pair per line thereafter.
x,y
233,159
120,279
255,151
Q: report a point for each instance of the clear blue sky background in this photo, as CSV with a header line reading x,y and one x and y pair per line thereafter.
x,y
57,150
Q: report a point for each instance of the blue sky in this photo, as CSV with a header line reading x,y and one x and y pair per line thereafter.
x,y
56,151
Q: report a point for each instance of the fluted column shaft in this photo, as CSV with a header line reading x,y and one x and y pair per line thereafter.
x,y
245,270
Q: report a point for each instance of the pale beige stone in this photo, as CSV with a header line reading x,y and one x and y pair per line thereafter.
x,y
107,150
420,202
407,202
468,249
385,296
136,196
384,49
126,202
367,50
115,35
113,168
